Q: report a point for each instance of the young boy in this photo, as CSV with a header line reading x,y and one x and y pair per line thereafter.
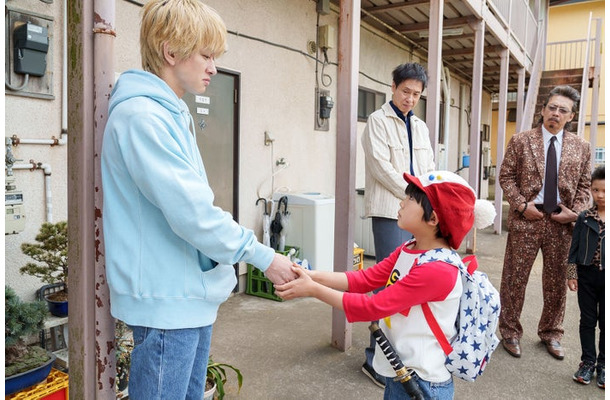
x,y
438,210
169,250
586,275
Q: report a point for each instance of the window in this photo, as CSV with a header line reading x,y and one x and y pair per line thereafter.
x,y
600,155
368,101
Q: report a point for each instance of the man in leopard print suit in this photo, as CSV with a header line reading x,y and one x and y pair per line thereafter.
x,y
530,228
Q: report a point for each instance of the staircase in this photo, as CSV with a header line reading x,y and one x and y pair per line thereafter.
x,y
550,79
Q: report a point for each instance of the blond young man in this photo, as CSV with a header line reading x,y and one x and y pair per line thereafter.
x,y
169,250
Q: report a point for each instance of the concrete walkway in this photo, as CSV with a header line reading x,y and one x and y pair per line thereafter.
x,y
283,349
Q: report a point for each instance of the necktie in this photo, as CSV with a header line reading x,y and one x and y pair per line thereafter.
x,y
550,179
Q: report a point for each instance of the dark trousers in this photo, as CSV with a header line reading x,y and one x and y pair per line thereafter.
x,y
591,288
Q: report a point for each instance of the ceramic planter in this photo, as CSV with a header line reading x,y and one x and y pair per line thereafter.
x,y
57,308
209,394
18,382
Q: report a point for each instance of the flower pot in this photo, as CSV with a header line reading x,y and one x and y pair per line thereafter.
x,y
18,382
57,308
209,394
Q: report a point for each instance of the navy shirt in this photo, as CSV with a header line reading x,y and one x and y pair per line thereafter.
x,y
407,120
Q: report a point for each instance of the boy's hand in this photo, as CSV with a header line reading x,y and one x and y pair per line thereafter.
x,y
303,286
573,284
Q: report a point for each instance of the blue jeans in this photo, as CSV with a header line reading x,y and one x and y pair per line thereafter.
x,y
431,391
168,364
388,236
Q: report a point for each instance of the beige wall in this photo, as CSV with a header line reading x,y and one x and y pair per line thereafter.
x,y
32,118
277,95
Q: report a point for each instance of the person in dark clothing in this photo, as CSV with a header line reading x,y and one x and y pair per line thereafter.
x,y
586,276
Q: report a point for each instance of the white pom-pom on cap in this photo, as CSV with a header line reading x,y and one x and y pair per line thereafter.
x,y
484,214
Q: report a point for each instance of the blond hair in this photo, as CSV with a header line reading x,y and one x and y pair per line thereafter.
x,y
187,26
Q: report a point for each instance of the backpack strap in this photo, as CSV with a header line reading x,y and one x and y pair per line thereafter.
x,y
472,263
436,329
452,258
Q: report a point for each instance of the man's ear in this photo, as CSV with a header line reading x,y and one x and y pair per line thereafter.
x,y
169,55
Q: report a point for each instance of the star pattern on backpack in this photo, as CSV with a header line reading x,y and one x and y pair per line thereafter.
x,y
477,320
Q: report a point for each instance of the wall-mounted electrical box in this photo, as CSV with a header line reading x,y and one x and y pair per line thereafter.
x,y
31,47
323,7
324,104
326,37
13,204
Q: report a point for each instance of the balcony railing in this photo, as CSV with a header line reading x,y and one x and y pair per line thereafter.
x,y
519,19
568,54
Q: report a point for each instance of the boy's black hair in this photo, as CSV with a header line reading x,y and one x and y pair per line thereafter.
x,y
420,197
598,174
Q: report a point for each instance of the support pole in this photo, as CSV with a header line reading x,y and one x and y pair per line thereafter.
x,y
502,106
435,54
475,118
345,186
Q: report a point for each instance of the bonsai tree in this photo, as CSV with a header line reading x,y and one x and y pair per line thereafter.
x,y
51,250
217,374
20,321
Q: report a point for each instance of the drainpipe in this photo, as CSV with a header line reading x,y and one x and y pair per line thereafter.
x,y
446,81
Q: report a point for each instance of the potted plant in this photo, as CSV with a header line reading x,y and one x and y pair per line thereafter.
x,y
217,377
51,254
24,365
124,346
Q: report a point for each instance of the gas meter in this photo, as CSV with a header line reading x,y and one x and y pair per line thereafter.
x,y
13,202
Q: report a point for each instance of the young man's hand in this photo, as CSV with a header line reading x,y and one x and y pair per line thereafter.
x,y
280,271
303,286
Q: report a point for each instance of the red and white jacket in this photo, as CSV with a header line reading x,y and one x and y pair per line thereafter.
x,y
398,309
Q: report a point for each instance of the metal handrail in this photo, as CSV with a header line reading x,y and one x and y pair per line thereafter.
x,y
567,54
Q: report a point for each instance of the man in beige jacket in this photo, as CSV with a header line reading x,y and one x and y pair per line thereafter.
x,y
395,141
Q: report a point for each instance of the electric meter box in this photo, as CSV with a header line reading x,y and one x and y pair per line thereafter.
x,y
311,227
14,209
31,47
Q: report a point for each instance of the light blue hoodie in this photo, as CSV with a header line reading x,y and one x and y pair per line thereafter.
x,y
169,251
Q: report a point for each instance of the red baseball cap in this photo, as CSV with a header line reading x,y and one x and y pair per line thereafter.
x,y
452,199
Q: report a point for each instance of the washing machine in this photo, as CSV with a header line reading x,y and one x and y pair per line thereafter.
x,y
311,226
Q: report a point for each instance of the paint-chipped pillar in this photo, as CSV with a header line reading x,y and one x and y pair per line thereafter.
x,y
435,57
90,78
475,118
345,185
502,106
103,78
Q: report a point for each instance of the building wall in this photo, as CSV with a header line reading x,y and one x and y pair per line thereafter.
x,y
35,118
277,95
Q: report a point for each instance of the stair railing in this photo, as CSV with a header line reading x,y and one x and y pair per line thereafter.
x,y
585,83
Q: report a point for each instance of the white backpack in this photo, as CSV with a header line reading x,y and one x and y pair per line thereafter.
x,y
477,320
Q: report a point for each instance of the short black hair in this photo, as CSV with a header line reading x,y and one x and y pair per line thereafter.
x,y
410,71
599,174
422,199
